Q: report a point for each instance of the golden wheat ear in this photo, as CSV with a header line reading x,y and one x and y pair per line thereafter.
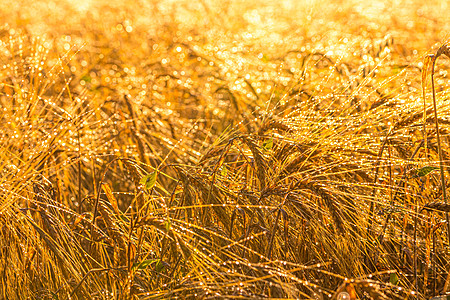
x,y
443,50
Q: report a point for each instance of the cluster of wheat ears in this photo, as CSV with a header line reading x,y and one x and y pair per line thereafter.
x,y
224,149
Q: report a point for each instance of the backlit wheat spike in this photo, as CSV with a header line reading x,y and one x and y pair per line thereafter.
x,y
274,124
443,50
437,206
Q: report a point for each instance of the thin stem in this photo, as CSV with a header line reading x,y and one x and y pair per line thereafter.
x,y
441,160
79,174
375,179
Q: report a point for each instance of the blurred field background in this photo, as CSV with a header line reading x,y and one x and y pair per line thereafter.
x,y
223,149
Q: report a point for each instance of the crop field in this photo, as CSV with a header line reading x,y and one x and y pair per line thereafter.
x,y
224,149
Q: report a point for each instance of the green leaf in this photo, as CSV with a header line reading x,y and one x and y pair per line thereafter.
x,y
393,278
86,78
159,266
425,171
267,145
223,171
167,224
148,181
144,264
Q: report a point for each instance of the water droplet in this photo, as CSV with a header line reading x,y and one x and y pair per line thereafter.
x,y
343,296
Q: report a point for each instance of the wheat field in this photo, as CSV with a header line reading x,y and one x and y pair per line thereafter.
x,y
224,149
